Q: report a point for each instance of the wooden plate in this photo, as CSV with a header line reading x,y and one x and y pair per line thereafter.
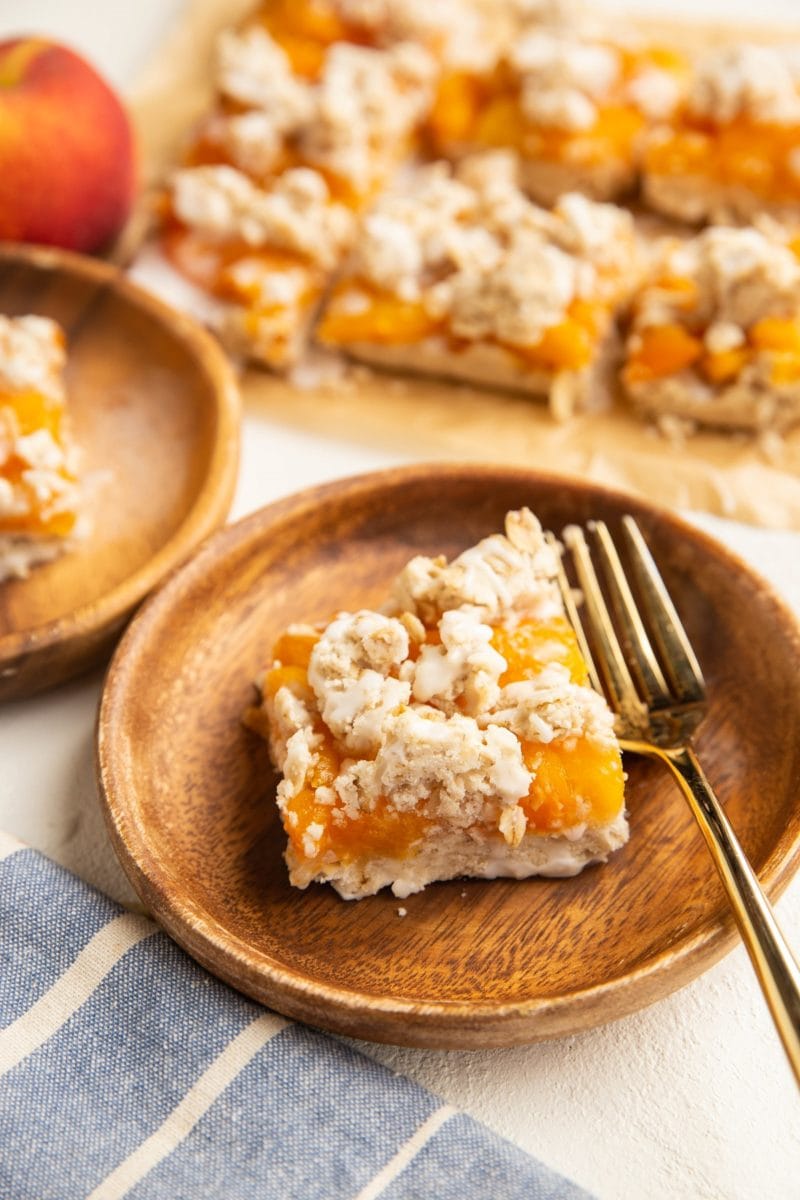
x,y
155,412
188,791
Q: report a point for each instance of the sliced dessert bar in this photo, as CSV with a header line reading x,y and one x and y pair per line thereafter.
x,y
257,258
353,124
574,109
452,734
715,333
733,148
260,217
456,32
463,276
39,498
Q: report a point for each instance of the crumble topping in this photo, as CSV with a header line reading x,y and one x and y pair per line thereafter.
x,y
32,356
747,81
372,693
542,12
461,34
735,294
505,574
655,92
254,70
368,101
464,668
364,105
40,486
472,248
563,79
350,675
737,275
295,214
405,712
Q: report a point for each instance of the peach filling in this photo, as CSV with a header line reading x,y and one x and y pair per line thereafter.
x,y
465,111
487,111
576,781
742,154
29,412
358,313
208,150
611,138
235,271
665,350
306,30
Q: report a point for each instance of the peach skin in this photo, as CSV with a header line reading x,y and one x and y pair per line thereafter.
x,y
66,148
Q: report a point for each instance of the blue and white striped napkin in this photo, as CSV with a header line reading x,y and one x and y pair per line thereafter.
x,y
127,1070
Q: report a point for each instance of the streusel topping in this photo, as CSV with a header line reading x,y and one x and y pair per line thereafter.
x,y
565,81
738,276
364,105
430,723
32,359
753,82
474,249
295,214
254,70
32,355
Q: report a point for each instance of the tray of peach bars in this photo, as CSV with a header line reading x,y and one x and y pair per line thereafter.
x,y
518,231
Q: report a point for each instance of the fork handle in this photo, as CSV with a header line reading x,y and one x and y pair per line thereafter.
x,y
775,966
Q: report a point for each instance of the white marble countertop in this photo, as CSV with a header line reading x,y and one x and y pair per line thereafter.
x,y
690,1099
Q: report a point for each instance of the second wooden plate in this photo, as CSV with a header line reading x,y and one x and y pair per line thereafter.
x,y
189,792
155,410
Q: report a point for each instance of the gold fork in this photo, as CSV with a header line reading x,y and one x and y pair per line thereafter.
x,y
659,697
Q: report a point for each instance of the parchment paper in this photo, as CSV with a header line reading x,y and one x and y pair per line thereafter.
x,y
729,476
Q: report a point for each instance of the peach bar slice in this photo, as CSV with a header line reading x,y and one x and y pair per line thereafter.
x,y
715,332
256,259
454,733
265,206
574,109
452,30
461,275
39,498
731,150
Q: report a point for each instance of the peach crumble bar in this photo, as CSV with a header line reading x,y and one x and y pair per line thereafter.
x,y
486,286
733,148
456,32
715,334
454,733
258,219
258,258
39,497
573,108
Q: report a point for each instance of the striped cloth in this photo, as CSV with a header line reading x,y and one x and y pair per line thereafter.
x,y
126,1070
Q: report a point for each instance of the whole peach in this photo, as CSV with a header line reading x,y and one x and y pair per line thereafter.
x,y
67,162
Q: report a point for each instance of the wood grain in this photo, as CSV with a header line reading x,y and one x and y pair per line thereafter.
x,y
189,793
155,413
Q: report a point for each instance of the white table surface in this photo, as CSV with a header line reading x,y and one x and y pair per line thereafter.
x,y
690,1099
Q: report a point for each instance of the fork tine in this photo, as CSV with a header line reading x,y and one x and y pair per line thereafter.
x,y
644,663
568,599
621,688
675,647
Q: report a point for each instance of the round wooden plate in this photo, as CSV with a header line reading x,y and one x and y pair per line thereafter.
x,y
189,793
155,412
